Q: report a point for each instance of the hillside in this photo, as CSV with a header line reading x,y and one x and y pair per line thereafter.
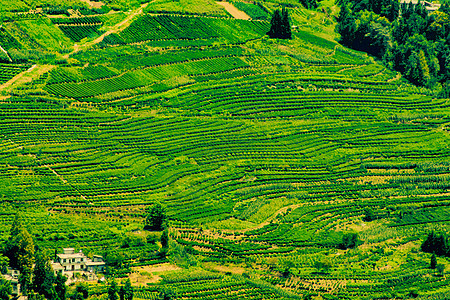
x,y
267,154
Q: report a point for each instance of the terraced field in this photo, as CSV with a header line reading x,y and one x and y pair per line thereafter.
x,y
265,153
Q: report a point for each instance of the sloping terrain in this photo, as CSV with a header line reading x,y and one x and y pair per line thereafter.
x,y
266,153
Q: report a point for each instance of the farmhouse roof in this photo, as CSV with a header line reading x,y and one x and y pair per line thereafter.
x,y
74,255
95,263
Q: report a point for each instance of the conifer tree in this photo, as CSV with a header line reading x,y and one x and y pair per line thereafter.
x,y
60,286
280,27
275,25
433,261
156,218
43,278
165,238
285,25
20,251
5,289
126,291
113,291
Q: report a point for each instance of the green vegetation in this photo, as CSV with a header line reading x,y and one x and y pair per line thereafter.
x,y
265,168
189,7
408,38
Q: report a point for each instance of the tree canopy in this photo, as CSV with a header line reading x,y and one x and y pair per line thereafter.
x,y
280,27
20,250
415,42
43,277
156,218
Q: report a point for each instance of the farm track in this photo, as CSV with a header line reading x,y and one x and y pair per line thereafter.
x,y
115,29
232,10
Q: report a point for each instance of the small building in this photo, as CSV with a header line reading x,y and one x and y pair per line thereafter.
x,y
13,277
429,6
70,261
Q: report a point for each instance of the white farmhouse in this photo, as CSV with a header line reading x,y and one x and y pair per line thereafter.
x,y
429,6
71,261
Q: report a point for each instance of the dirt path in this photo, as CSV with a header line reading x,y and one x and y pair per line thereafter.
x,y
26,76
232,10
115,29
141,276
93,4
57,175
274,215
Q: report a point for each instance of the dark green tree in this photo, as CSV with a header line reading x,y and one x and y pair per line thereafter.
x,y
35,296
20,250
60,286
280,27
167,294
346,26
275,25
113,290
156,218
122,293
349,240
5,289
441,269
43,277
309,4
285,24
4,263
433,261
436,243
81,291
369,215
126,291
165,238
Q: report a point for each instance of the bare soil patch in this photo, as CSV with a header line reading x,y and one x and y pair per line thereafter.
x,y
236,13
225,269
148,274
95,4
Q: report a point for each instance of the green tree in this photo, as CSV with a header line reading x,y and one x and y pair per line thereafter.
x,y
4,263
275,25
349,240
126,291
323,265
43,277
5,289
156,218
113,290
280,27
81,291
285,24
11,247
165,238
167,294
433,261
309,4
60,286
441,269
369,215
346,26
20,251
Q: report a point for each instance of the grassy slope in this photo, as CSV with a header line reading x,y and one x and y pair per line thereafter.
x,y
264,152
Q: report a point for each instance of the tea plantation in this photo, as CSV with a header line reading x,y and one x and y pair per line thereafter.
x,y
269,156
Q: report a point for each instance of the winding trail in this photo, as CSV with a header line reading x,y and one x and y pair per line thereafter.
x,y
26,76
116,28
232,10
